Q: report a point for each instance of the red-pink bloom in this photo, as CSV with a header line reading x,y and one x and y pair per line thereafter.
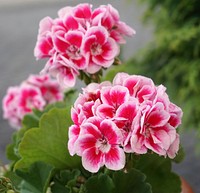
x,y
49,87
10,107
112,98
100,48
70,47
34,93
29,98
99,145
108,16
44,46
80,39
142,112
62,69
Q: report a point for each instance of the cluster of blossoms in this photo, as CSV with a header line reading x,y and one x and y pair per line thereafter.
x,y
34,93
130,115
80,40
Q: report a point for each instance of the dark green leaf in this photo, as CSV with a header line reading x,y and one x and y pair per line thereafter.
x,y
159,174
65,181
101,183
131,182
36,179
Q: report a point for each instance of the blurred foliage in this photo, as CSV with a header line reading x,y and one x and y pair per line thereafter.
x,y
173,56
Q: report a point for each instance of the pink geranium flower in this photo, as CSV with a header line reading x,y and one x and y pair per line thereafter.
x,y
29,98
100,48
10,108
80,39
49,88
140,112
34,93
99,145
108,16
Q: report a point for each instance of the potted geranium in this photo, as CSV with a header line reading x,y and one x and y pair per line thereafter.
x,y
117,136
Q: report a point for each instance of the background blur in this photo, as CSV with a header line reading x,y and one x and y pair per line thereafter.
x,y
19,20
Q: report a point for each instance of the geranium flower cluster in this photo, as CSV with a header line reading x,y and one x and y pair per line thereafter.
x,y
34,93
131,115
80,39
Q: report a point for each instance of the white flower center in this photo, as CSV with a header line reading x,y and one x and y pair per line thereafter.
x,y
102,145
96,49
73,52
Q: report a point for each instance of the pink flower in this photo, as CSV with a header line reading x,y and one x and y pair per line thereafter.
x,y
10,107
61,69
100,48
108,16
34,93
140,110
70,46
112,98
98,145
80,39
49,88
44,46
29,98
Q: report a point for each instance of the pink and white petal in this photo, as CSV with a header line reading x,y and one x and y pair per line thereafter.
x,y
88,41
74,131
74,38
66,78
115,159
43,47
60,45
120,78
155,147
90,129
81,63
128,110
146,93
161,137
124,29
116,95
65,10
158,118
117,37
93,68
105,111
70,22
83,11
100,33
110,49
91,160
85,142
174,147
45,25
99,60
138,144
111,132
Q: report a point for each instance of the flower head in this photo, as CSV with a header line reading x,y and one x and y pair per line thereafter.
x,y
34,93
80,39
137,113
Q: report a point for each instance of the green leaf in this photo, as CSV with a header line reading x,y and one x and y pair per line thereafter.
x,y
131,182
48,143
30,121
64,181
36,179
99,184
159,174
